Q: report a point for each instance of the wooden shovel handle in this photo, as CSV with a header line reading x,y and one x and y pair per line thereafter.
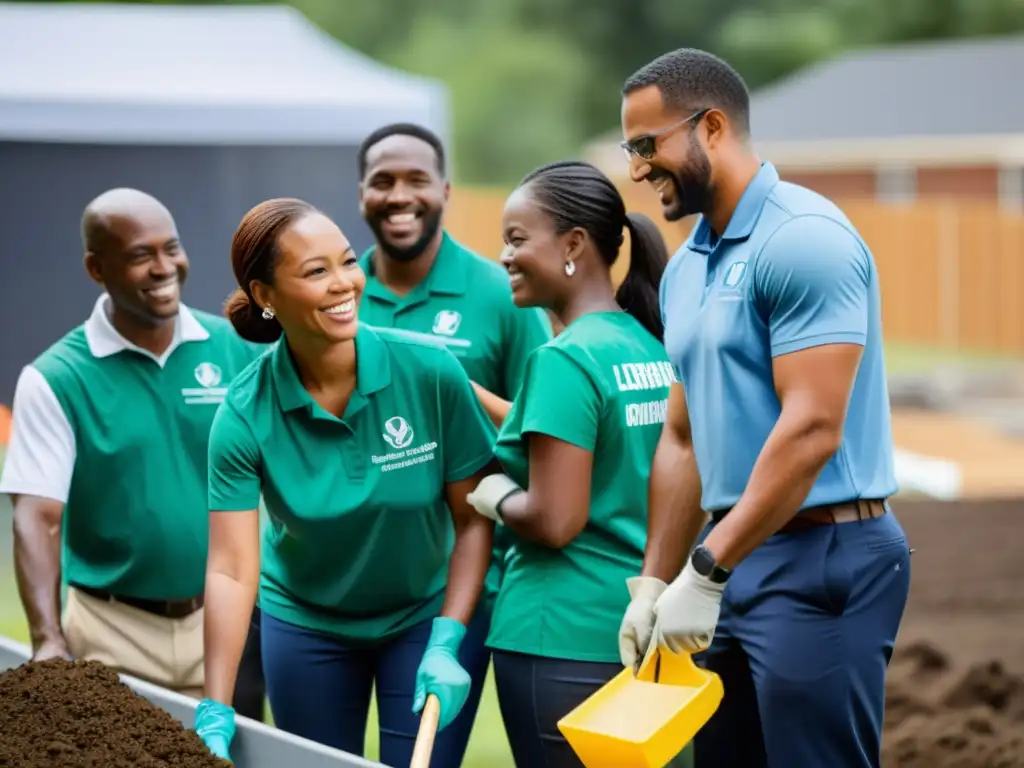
x,y
428,729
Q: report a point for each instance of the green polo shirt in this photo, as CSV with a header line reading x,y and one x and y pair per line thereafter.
x,y
465,303
135,517
602,385
359,534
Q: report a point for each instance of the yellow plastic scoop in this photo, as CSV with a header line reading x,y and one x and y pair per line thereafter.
x,y
644,721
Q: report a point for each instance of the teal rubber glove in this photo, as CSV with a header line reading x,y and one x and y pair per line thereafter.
x,y
215,724
440,672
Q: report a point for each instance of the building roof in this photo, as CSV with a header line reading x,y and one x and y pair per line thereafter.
x,y
945,101
192,74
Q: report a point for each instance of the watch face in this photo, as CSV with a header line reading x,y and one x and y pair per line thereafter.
x,y
703,562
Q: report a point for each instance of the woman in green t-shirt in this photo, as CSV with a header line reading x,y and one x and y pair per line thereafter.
x,y
576,449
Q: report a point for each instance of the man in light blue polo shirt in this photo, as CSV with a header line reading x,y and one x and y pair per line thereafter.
x,y
779,430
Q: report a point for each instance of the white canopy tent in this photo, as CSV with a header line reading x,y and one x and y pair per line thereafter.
x,y
210,109
189,74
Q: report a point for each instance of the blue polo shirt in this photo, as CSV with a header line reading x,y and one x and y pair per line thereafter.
x,y
789,273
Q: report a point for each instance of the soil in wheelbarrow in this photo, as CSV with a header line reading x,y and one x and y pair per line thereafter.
x,y
941,716
60,714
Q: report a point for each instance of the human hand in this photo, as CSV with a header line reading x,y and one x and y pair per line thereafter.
x,y
687,612
53,648
637,625
489,493
215,725
441,674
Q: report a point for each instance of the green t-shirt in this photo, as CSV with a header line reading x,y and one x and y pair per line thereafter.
x,y
465,303
359,533
136,520
602,385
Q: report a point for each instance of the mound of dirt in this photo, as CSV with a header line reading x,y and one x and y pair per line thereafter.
x,y
60,714
938,717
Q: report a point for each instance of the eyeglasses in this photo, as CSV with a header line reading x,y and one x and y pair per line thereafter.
x,y
647,145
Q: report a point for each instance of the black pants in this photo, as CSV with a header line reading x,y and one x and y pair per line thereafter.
x,y
250,688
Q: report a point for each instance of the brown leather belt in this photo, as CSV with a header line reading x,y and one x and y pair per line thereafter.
x,y
830,514
168,609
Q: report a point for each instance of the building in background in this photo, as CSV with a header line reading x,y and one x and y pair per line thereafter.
x,y
210,109
912,122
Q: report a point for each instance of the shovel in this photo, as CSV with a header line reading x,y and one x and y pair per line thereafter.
x,y
425,737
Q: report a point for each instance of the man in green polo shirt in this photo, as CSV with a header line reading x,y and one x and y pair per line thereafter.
x,y
108,456
421,280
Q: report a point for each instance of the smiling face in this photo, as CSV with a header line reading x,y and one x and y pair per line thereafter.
x,y
402,195
141,263
680,168
317,282
535,254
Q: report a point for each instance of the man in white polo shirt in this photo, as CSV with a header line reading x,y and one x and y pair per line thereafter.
x,y
107,459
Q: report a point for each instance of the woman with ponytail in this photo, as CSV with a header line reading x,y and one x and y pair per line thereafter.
x,y
575,450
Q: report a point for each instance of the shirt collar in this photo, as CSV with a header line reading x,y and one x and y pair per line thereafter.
x,y
373,373
447,276
104,340
747,212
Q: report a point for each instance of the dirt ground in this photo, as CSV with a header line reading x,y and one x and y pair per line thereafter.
x,y
59,714
956,683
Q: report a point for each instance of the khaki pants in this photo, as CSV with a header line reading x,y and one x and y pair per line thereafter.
x,y
165,652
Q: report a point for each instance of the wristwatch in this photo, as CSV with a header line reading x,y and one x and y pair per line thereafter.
x,y
704,564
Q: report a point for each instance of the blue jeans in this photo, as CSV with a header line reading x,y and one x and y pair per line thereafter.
x,y
319,688
535,692
808,625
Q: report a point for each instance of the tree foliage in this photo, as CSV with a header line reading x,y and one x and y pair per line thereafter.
x,y
532,80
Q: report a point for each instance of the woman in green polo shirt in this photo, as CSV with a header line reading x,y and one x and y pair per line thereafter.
x,y
580,437
360,441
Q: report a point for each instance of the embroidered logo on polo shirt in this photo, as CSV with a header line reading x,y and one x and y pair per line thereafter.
x,y
734,274
398,434
447,322
208,375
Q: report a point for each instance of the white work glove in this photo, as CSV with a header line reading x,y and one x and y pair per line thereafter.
x,y
687,612
486,498
638,621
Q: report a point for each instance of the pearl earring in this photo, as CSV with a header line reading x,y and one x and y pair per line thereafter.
x,y
268,313
570,268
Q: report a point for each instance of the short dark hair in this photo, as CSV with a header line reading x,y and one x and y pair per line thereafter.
x,y
690,79
577,194
402,129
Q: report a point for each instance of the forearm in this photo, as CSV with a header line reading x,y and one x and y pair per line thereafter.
x,y
529,521
792,458
37,566
497,408
228,607
467,567
674,517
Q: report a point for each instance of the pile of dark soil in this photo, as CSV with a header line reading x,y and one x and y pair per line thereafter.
x,y
60,714
941,717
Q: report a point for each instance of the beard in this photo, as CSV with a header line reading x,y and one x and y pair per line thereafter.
x,y
692,186
431,225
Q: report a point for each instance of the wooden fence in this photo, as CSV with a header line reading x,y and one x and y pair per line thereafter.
x,y
952,272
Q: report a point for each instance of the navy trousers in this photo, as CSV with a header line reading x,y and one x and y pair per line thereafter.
x,y
319,688
250,688
807,628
